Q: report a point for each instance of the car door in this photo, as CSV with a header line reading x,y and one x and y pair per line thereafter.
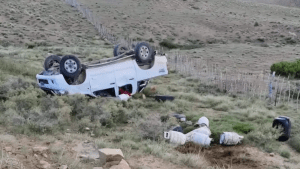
x,y
102,78
126,74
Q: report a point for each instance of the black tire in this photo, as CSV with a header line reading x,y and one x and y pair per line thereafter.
x,y
120,49
164,98
286,125
50,60
70,66
144,53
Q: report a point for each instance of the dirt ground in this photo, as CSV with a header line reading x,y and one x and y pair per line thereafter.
x,y
198,21
150,162
42,21
236,157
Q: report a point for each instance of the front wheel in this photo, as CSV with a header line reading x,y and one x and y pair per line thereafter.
x,y
144,53
70,66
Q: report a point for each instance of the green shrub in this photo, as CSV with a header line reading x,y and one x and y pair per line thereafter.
x,y
284,68
151,127
264,137
15,68
295,142
285,154
168,44
243,127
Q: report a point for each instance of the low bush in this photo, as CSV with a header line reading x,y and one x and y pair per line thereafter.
x,y
243,127
295,142
15,68
151,127
285,154
284,68
170,45
264,137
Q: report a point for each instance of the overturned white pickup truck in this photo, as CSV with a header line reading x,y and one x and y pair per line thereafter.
x,y
129,70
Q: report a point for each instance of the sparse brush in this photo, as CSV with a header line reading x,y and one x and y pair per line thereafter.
x,y
151,127
285,154
295,142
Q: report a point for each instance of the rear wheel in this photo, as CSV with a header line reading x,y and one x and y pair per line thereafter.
x,y
51,61
144,53
120,49
70,66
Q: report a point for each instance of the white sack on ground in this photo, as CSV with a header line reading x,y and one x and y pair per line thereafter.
x,y
230,138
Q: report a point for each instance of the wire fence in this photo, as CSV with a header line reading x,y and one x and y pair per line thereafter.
x,y
104,32
262,85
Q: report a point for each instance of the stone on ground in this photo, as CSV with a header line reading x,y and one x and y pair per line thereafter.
x,y
44,165
109,155
40,149
123,165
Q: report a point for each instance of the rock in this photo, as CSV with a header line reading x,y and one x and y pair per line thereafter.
x,y
87,129
83,156
108,155
143,96
261,39
63,167
8,149
97,168
44,164
123,165
45,155
272,154
153,89
40,149
92,135
68,130
36,156
110,164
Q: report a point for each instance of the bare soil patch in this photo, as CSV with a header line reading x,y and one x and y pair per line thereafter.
x,y
239,156
150,162
43,22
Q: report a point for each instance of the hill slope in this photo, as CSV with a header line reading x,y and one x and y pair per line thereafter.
x,y
198,21
42,21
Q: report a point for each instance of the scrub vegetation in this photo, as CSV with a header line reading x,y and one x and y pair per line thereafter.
x,y
135,126
29,34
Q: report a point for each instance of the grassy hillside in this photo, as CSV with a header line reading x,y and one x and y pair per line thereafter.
x,y
33,29
198,21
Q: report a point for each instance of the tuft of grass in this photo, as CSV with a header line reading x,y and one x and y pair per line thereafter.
x,y
285,154
151,127
15,68
243,127
294,142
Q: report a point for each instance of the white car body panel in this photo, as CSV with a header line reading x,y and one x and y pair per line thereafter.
x,y
113,75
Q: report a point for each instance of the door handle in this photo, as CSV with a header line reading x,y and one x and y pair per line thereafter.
x,y
131,79
112,83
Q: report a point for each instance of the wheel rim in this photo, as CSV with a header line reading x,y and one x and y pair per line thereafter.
x,y
70,66
122,50
144,51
